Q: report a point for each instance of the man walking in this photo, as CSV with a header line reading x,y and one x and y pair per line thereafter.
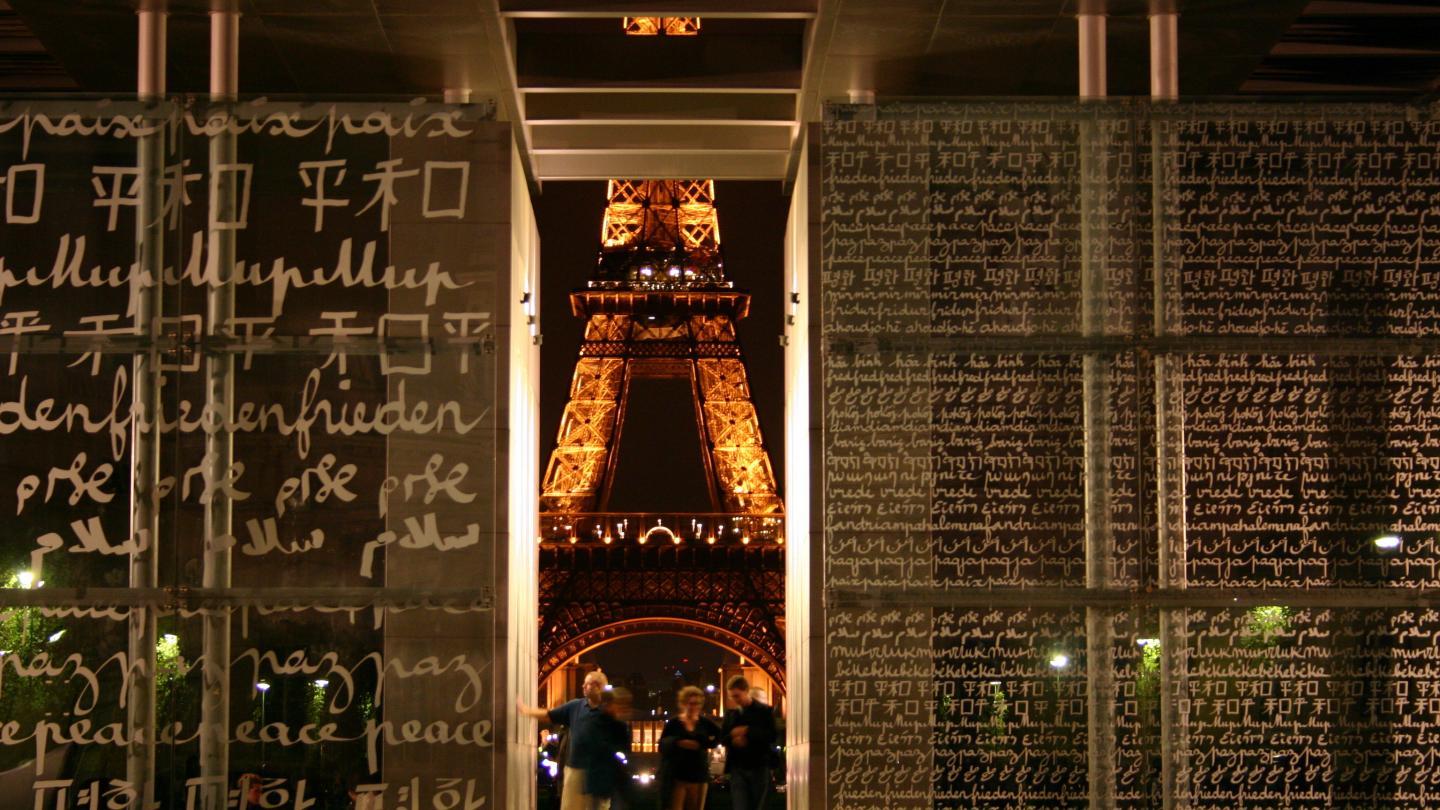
x,y
590,748
749,737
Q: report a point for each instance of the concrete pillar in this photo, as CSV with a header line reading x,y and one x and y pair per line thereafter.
x,y
1092,54
1164,60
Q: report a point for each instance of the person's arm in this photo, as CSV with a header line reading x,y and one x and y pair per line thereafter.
x,y
669,737
762,729
711,735
559,715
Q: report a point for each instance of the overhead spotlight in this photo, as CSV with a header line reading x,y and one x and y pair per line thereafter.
x,y
1059,661
1387,542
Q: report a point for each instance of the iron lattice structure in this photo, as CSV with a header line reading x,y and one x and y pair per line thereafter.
x,y
731,595
661,26
658,304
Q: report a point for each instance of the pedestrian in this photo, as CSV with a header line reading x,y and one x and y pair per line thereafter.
x,y
610,776
749,738
590,747
685,745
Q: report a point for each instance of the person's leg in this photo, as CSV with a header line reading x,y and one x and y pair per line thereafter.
x,y
679,799
699,796
762,786
572,791
741,789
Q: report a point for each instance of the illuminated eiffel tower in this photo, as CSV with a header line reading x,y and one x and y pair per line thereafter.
x,y
659,305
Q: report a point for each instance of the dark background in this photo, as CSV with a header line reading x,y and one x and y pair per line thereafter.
x,y
660,467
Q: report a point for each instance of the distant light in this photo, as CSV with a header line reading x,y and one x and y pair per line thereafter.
x,y
710,687
55,636
27,579
1387,542
170,638
994,683
1146,642
620,755
745,540
553,767
710,540
321,683
609,539
608,687
1059,661
674,271
262,686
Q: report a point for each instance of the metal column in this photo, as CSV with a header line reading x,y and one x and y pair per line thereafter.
x,y
1169,435
146,303
1099,540
219,396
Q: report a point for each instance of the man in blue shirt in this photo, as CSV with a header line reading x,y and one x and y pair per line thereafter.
x,y
589,745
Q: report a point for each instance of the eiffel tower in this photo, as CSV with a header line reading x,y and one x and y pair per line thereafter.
x,y
658,304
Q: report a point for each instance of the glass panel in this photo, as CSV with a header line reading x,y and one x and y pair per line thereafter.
x,y
318,622
1189,385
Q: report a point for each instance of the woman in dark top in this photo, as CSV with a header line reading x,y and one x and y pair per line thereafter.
x,y
685,746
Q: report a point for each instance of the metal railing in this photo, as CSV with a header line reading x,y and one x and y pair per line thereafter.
x,y
662,528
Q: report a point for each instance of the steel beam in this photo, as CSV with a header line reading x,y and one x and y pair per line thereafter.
x,y
1099,538
147,304
1169,439
712,9
219,399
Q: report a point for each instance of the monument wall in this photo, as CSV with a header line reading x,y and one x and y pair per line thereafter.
x,y
1123,418
261,551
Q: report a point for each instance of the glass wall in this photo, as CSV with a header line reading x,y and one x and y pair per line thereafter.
x,y
254,454
1126,418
